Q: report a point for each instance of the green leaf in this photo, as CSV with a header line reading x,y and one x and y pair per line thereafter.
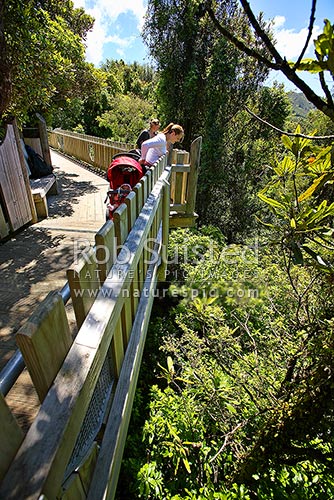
x,y
311,66
271,201
265,223
186,464
230,408
170,365
318,182
286,166
287,142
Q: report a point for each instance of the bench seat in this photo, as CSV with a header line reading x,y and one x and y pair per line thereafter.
x,y
40,188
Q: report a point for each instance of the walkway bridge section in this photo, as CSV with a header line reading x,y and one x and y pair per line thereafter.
x,y
86,385
98,153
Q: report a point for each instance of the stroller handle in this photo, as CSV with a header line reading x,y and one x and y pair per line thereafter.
x,y
119,191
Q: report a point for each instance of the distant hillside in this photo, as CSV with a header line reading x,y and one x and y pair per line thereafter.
x,y
300,105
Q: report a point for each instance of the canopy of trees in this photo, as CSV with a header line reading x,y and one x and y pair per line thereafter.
x,y
272,59
42,55
42,60
204,83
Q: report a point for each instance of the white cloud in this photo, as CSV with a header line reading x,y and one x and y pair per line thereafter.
x,y
105,13
113,9
279,21
290,43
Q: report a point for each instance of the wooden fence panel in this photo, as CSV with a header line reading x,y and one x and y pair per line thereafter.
x,y
15,188
4,228
165,231
83,278
139,190
180,171
121,224
148,176
144,182
105,241
11,437
44,341
95,151
77,485
184,185
195,156
131,204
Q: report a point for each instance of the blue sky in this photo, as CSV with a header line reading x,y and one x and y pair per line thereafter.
x,y
116,33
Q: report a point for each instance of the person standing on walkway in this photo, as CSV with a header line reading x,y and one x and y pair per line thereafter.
x,y
148,133
153,149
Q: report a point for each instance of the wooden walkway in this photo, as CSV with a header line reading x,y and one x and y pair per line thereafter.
x,y
34,261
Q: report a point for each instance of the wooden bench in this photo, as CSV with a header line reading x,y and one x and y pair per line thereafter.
x,y
40,188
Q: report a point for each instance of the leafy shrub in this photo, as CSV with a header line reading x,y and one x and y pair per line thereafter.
x,y
242,402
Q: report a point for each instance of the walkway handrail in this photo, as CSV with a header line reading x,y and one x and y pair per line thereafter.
x,y
92,150
91,379
103,348
99,152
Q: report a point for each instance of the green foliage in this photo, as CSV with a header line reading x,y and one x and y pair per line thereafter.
x,y
119,107
324,52
236,163
243,406
126,116
301,106
204,82
317,121
297,196
43,56
134,79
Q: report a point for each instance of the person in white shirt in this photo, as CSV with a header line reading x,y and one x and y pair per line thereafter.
x,y
154,148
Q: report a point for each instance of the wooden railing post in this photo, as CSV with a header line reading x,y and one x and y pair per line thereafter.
x,y
184,185
43,137
165,231
44,341
195,156
11,437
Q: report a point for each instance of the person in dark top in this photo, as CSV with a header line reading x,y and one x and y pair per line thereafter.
x,y
148,133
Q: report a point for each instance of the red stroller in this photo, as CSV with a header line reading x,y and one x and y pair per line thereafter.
x,y
123,174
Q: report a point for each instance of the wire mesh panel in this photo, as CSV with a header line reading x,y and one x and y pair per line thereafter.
x,y
94,417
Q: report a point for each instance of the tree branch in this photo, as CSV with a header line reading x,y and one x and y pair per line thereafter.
x,y
239,43
290,134
262,34
310,29
226,440
280,63
325,88
284,66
